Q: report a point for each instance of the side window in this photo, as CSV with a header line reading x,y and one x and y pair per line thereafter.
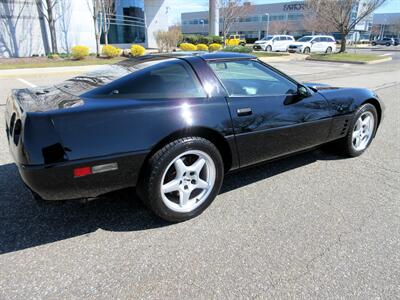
x,y
316,40
173,79
250,78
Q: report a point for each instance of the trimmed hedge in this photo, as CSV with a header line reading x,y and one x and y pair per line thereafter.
x,y
79,52
187,47
202,47
137,50
110,51
240,49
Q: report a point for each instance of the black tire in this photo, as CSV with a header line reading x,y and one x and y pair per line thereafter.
x,y
387,44
242,44
269,48
149,186
344,146
328,50
307,50
373,44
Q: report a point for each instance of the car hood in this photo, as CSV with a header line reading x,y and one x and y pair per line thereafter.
x,y
260,42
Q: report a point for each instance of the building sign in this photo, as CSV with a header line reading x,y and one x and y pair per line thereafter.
x,y
294,7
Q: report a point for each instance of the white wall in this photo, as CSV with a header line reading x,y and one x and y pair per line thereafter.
x,y
156,18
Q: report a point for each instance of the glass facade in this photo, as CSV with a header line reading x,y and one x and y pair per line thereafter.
x,y
127,25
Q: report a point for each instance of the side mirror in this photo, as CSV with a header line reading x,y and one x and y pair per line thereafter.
x,y
302,91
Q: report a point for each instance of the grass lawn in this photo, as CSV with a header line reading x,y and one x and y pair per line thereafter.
x,y
42,62
347,57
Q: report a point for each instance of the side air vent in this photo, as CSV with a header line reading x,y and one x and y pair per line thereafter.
x,y
12,123
17,131
345,127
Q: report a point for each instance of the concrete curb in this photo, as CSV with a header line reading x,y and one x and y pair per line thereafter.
x,y
353,62
386,50
50,70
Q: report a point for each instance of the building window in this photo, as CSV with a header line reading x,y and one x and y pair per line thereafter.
x,y
127,25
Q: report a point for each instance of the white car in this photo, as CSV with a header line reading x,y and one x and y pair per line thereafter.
x,y
274,43
314,43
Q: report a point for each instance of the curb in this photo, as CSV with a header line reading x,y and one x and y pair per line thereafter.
x,y
386,50
353,62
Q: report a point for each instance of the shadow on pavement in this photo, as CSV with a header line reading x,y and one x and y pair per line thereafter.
x,y
24,223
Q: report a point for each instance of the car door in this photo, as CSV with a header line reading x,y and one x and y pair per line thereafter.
x,y
268,118
316,45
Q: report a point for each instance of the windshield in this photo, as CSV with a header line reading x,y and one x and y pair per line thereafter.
x,y
305,39
267,38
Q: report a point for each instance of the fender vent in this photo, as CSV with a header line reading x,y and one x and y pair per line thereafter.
x,y
345,127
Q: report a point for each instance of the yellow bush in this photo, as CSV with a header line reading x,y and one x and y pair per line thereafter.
x,y
137,50
202,47
110,51
232,42
214,47
187,47
79,52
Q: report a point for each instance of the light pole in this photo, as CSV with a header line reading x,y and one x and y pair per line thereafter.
x,y
202,22
267,14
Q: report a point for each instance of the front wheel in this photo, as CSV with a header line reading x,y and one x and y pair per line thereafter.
x,y
328,50
361,132
269,48
182,179
307,50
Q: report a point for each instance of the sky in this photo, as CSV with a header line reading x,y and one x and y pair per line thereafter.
x,y
176,7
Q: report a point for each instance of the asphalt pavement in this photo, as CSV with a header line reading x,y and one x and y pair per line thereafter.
x,y
312,226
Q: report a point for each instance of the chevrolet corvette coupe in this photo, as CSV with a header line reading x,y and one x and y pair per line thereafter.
x,y
172,125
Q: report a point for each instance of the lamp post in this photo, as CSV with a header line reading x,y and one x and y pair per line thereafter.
x,y
202,22
267,14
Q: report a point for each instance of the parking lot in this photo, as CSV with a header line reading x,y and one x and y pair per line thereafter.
x,y
310,226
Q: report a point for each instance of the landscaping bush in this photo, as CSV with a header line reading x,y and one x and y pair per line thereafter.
x,y
232,42
110,51
137,50
53,56
201,39
202,47
79,52
191,39
240,49
168,40
214,47
215,39
187,47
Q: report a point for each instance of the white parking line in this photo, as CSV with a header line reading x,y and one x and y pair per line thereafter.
x,y
386,54
27,82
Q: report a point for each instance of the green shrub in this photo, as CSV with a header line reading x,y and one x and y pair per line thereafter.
x,y
79,52
215,39
187,47
201,39
191,39
214,47
53,56
202,47
240,49
137,50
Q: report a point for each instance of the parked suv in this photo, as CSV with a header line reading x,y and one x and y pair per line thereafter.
x,y
314,43
385,41
274,43
241,39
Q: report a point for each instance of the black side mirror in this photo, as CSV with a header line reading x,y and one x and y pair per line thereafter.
x,y
301,93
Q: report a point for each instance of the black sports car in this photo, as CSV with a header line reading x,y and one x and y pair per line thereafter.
x,y
172,125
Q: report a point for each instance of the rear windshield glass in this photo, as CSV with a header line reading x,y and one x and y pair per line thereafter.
x,y
171,78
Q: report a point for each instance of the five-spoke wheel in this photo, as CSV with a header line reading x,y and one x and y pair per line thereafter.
x,y
182,178
363,130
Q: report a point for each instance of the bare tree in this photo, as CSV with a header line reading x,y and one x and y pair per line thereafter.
x,y
338,14
108,11
95,7
10,16
231,11
64,15
168,40
49,13
314,24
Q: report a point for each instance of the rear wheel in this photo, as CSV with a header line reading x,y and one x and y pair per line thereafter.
x,y
361,132
373,44
182,179
387,44
306,50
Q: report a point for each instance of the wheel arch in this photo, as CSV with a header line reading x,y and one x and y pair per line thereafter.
x,y
204,132
377,105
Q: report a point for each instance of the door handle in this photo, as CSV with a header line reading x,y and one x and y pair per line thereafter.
x,y
244,111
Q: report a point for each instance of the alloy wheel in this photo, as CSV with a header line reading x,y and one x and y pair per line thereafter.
x,y
363,131
188,181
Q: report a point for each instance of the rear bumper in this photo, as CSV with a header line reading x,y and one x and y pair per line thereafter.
x,y
57,182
